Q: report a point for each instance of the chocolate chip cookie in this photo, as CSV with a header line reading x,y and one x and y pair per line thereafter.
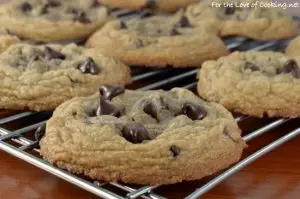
x,y
293,48
152,5
42,77
52,20
150,137
6,39
158,41
257,22
253,83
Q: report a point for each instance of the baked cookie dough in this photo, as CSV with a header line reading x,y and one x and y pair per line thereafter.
x,y
152,5
293,48
261,23
158,41
253,83
52,20
6,39
42,77
142,137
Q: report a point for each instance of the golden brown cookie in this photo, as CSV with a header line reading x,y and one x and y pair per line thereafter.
x,y
7,39
51,20
143,137
158,41
42,77
253,83
293,48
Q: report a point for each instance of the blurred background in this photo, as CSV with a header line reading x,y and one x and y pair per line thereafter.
x,y
293,11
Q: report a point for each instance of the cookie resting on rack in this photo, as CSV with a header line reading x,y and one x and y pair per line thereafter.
x,y
143,137
158,41
151,5
42,77
253,83
258,22
52,20
293,48
7,39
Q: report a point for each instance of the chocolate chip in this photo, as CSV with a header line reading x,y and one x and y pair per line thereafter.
x,y
149,108
184,22
292,67
50,53
135,133
109,92
174,32
229,10
150,4
175,150
82,18
193,111
89,66
44,9
54,3
138,43
40,132
26,7
95,4
251,66
106,108
123,25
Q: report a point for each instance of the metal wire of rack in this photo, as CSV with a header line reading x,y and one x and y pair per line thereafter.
x,y
17,143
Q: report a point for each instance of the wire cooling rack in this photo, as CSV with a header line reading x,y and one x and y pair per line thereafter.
x,y
19,141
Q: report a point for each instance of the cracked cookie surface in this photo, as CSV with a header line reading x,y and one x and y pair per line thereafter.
x,y
253,83
153,5
41,77
7,39
262,23
158,41
52,20
293,48
143,137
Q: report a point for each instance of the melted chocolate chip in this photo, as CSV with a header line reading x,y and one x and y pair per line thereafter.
x,y
251,66
123,25
50,53
44,9
89,66
109,92
150,4
95,4
174,32
82,18
184,22
54,3
135,133
26,7
40,132
229,10
138,43
149,108
193,111
292,67
175,150
106,108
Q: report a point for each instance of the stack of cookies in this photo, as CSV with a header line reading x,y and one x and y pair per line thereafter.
x,y
106,132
